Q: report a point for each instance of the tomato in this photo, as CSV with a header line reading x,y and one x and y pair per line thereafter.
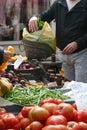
x,y
48,100
64,109
72,125
24,123
38,113
2,115
74,105
10,129
25,110
81,116
20,116
17,126
2,125
56,119
10,120
35,125
75,113
55,127
83,126
2,110
58,101
50,107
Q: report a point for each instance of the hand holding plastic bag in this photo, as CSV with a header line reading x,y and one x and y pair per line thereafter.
x,y
45,35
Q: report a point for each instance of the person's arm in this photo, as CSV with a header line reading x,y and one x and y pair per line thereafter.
x,y
47,15
80,43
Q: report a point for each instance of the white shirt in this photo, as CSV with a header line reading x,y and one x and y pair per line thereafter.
x,y
71,3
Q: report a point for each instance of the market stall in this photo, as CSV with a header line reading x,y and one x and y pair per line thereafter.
x,y
26,91
34,94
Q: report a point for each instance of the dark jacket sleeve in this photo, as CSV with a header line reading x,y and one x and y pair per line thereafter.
x,y
82,42
1,55
49,14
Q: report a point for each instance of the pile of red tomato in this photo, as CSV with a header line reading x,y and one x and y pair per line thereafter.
x,y
51,114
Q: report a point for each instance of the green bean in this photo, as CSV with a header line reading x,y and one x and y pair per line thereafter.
x,y
32,95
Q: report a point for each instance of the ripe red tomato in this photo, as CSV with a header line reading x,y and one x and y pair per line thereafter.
x,y
2,110
72,125
58,101
50,107
10,120
35,125
64,109
74,105
38,113
56,120
17,126
20,116
2,125
81,116
2,115
10,129
83,125
25,110
24,123
48,100
55,127
75,113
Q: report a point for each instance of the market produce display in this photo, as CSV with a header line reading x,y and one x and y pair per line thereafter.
x,y
40,118
32,95
40,106
14,78
23,91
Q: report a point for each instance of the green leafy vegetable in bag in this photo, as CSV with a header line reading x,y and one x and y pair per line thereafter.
x,y
40,23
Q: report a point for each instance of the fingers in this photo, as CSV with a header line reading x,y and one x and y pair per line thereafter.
x,y
33,26
70,48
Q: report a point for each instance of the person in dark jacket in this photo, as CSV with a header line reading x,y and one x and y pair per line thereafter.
x,y
4,55
71,35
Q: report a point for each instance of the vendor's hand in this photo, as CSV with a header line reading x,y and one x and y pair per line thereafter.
x,y
70,48
32,24
7,55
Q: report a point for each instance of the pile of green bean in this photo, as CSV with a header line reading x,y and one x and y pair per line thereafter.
x,y
29,96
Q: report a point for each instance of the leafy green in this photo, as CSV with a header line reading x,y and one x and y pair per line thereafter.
x,y
40,23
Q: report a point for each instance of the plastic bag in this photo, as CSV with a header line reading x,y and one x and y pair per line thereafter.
x,y
45,36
